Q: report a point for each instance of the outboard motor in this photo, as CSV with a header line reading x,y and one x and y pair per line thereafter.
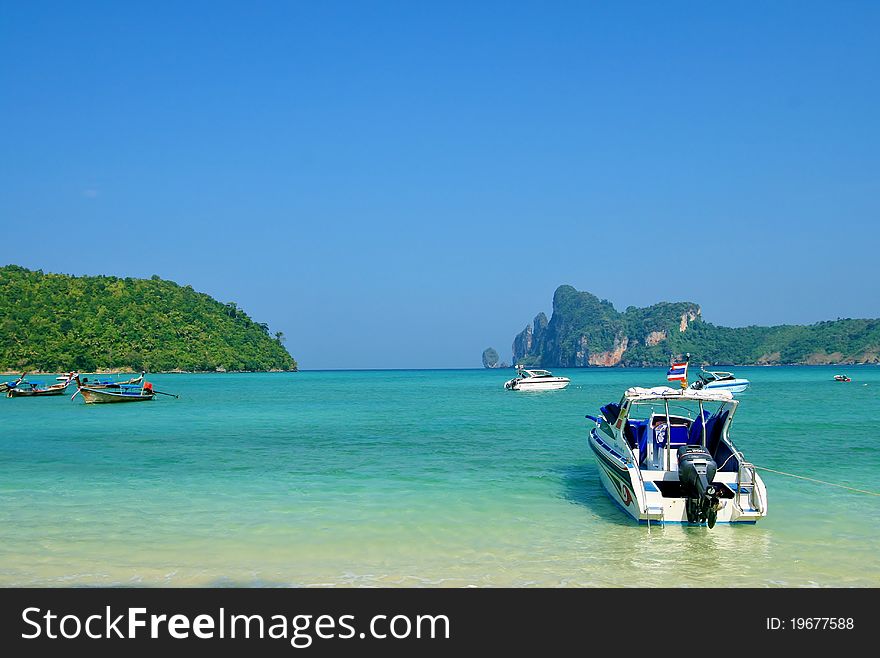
x,y
696,470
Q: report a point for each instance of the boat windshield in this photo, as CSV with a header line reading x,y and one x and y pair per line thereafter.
x,y
537,373
715,375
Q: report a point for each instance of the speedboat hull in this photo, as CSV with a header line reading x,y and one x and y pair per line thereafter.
x,y
552,384
732,385
648,496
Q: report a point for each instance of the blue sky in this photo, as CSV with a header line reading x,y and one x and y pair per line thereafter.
x,y
402,184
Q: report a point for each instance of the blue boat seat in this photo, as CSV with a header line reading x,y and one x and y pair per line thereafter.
x,y
652,443
695,436
720,451
637,430
676,436
611,411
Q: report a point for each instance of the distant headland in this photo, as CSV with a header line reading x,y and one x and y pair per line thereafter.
x,y
57,323
587,331
491,360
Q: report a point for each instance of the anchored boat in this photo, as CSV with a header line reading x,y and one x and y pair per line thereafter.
x,y
535,380
109,383
5,386
717,380
666,455
23,388
124,393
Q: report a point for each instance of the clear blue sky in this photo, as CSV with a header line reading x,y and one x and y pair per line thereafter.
x,y
402,184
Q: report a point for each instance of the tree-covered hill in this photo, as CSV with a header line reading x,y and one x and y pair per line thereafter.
x,y
587,331
57,322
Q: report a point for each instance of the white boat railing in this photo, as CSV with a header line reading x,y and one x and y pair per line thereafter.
x,y
644,494
746,475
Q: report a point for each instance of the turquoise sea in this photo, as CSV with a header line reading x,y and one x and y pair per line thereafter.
x,y
417,478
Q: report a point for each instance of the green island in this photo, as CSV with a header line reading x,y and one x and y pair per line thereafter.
x,y
587,331
58,322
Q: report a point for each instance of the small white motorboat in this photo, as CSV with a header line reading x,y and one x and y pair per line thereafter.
x,y
666,455
717,380
535,380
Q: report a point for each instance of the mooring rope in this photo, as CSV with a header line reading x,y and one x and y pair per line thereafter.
x,y
830,484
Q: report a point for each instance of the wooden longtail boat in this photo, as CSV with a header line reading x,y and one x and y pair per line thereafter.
x,y
125,393
106,383
5,386
25,389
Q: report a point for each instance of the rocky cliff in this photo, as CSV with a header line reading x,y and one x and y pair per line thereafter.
x,y
490,359
584,330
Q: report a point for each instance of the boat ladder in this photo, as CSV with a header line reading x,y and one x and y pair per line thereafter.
x,y
746,486
658,513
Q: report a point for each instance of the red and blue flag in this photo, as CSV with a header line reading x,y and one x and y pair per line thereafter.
x,y
677,372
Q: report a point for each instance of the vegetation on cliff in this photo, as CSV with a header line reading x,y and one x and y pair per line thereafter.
x,y
585,330
56,322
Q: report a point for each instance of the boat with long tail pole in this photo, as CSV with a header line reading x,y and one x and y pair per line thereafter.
x,y
109,383
125,393
25,389
5,386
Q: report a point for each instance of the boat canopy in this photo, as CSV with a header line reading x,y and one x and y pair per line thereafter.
x,y
637,393
692,416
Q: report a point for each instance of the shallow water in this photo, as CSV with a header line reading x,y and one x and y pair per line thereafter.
x,y
417,478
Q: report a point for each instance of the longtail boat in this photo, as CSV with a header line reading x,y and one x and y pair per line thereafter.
x,y
108,383
124,393
26,389
5,386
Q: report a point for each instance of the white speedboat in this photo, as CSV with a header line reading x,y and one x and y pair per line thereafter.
x,y
665,455
723,381
535,380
